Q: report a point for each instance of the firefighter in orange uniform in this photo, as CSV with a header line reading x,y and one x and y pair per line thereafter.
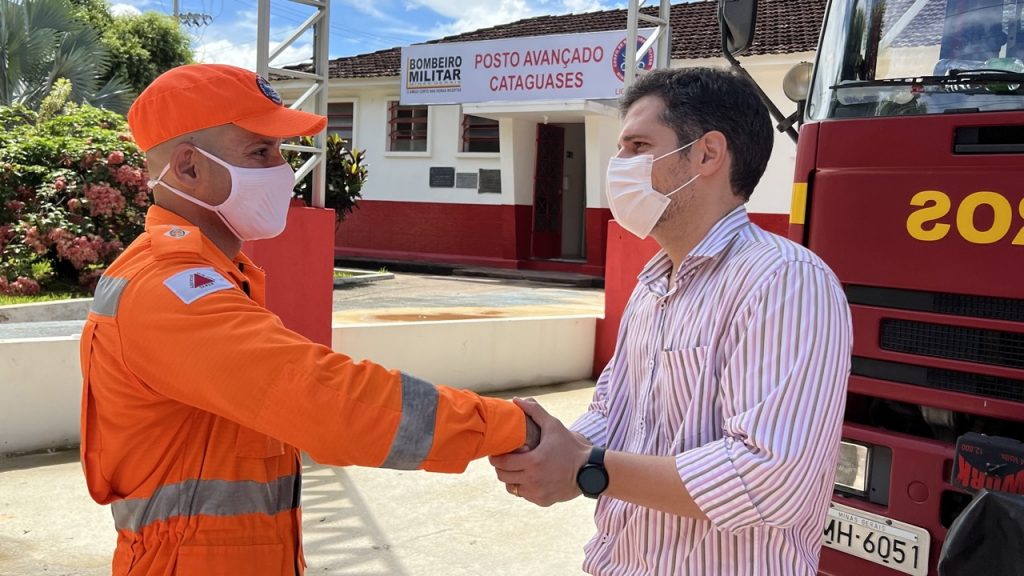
x,y
196,399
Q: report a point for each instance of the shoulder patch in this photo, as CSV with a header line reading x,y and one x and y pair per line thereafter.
x,y
192,284
167,240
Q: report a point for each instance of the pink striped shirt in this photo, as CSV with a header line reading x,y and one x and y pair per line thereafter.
x,y
739,371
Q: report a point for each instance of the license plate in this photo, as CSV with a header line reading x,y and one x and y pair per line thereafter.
x,y
896,545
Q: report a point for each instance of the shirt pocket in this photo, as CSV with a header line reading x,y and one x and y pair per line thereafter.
x,y
253,444
683,383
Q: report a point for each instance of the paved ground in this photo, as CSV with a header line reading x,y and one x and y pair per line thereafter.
x,y
358,521
412,297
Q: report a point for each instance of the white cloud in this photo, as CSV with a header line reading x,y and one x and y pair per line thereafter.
x,y
235,42
124,10
243,54
468,17
364,7
579,6
150,4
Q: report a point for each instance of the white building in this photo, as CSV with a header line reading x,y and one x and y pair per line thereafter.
x,y
461,184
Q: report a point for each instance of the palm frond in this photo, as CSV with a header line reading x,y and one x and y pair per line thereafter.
x,y
41,42
82,59
116,95
53,14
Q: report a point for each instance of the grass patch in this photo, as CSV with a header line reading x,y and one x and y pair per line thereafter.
x,y
43,297
56,291
348,274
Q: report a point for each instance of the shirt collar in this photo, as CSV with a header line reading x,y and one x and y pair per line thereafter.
x,y
159,216
710,247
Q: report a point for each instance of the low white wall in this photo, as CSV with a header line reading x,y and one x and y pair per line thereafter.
x,y
482,355
41,382
59,310
40,394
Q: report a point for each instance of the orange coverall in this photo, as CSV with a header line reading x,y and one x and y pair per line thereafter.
x,y
196,401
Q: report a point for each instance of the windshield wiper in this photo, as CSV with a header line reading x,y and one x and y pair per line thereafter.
x,y
955,78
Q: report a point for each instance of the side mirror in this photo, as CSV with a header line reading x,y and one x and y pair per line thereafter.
x,y
797,83
738,19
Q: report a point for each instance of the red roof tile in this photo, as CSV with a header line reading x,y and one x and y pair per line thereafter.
x,y
783,26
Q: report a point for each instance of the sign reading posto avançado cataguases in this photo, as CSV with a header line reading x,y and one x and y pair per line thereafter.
x,y
570,66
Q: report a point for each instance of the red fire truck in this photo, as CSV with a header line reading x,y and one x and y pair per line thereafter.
x,y
910,184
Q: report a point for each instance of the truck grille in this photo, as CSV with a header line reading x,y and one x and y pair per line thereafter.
x,y
930,340
988,307
941,379
993,347
980,307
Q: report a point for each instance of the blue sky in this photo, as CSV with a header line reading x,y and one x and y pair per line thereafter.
x,y
356,26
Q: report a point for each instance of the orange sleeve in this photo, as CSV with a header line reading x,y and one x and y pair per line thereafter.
x,y
224,354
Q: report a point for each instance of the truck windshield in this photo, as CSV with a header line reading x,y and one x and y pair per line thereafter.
x,y
899,57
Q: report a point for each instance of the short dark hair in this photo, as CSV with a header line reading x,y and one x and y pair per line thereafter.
x,y
699,100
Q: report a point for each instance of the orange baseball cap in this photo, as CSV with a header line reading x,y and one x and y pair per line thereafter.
x,y
197,96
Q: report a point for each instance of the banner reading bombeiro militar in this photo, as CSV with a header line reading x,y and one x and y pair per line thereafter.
x,y
571,66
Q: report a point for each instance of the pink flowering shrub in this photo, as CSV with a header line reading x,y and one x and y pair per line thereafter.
x,y
73,194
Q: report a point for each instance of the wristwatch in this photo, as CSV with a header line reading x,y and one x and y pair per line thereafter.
x,y
593,477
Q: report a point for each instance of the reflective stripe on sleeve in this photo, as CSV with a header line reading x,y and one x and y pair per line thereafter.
x,y
415,433
206,497
108,295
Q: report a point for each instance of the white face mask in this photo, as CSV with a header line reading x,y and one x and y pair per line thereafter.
x,y
256,207
636,205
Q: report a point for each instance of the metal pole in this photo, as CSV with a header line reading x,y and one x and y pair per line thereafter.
x,y
175,9
321,67
315,165
665,39
663,35
263,38
632,22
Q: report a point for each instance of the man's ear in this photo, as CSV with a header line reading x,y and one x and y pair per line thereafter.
x,y
713,153
184,166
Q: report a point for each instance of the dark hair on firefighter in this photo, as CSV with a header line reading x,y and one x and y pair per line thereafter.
x,y
699,100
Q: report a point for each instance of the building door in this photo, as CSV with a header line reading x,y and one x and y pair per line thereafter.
x,y
547,192
574,192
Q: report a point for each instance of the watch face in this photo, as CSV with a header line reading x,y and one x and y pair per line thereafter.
x,y
593,480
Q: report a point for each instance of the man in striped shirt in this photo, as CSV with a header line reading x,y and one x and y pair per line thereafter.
x,y
721,409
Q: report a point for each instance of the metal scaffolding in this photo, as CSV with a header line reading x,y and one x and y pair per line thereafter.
x,y
319,22
663,32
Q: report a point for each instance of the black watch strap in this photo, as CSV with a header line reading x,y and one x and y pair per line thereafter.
x,y
592,478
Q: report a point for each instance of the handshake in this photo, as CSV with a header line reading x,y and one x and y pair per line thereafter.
x,y
544,470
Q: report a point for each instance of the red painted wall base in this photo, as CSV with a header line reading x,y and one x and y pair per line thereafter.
x,y
300,271
627,256
489,235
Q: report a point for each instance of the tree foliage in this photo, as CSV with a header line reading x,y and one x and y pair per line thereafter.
x,y
73,193
95,13
143,47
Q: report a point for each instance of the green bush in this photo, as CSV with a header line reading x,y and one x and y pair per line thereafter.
x,y
73,194
346,174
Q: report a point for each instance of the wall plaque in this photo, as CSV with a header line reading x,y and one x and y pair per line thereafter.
x,y
490,181
466,180
442,177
